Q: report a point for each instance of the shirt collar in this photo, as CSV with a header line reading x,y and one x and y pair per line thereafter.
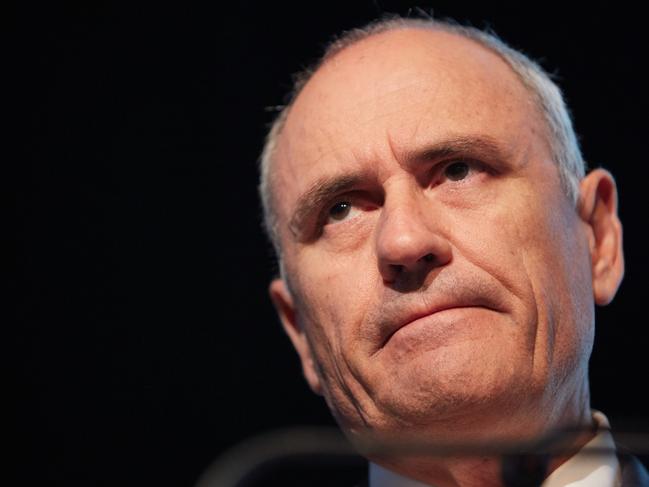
x,y
586,469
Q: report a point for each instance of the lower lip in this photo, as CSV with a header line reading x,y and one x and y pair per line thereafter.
x,y
438,329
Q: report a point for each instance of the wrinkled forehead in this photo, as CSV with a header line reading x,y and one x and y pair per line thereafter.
x,y
391,92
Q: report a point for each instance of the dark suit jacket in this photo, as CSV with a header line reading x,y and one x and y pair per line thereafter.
x,y
634,474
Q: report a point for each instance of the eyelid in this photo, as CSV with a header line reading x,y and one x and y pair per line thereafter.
x,y
468,160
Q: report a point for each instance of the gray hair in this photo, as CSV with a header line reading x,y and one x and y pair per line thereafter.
x,y
545,94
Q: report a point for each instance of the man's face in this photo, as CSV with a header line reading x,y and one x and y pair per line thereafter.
x,y
438,273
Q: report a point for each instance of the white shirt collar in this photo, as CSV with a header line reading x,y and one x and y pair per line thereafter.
x,y
586,470
582,470
381,477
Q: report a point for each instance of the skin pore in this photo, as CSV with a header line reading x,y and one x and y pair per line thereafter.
x,y
438,283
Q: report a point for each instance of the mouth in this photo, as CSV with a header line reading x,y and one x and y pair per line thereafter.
x,y
420,317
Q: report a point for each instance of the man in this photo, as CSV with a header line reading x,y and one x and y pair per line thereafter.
x,y
441,251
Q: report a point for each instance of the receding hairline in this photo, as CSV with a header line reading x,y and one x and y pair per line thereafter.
x,y
545,95
349,41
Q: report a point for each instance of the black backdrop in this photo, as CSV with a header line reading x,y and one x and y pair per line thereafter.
x,y
145,343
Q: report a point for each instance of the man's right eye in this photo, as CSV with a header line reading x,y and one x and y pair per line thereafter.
x,y
345,210
340,210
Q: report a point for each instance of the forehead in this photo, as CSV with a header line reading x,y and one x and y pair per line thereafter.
x,y
388,94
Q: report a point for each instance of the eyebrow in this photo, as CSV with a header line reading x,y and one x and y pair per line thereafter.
x,y
481,146
327,187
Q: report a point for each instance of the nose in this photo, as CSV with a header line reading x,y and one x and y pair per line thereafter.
x,y
409,244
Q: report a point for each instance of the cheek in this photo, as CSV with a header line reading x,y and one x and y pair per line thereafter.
x,y
521,243
335,297
550,268
497,239
333,302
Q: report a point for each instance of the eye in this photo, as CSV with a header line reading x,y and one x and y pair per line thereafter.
x,y
346,209
340,210
457,171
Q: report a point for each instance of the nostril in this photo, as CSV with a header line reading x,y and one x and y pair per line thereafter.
x,y
391,273
396,269
428,257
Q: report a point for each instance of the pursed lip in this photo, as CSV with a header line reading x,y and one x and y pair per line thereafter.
x,y
412,317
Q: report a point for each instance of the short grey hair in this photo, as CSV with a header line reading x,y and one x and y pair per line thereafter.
x,y
545,93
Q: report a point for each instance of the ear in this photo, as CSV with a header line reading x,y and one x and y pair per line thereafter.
x,y
598,209
285,307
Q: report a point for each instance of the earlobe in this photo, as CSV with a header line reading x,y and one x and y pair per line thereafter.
x,y
286,309
598,209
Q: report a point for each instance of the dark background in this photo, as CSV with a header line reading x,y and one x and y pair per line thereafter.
x,y
145,344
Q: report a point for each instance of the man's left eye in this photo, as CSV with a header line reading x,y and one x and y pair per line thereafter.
x,y
457,171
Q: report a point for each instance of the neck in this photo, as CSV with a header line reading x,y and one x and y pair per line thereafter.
x,y
487,470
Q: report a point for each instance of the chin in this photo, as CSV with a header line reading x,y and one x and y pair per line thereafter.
x,y
435,395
